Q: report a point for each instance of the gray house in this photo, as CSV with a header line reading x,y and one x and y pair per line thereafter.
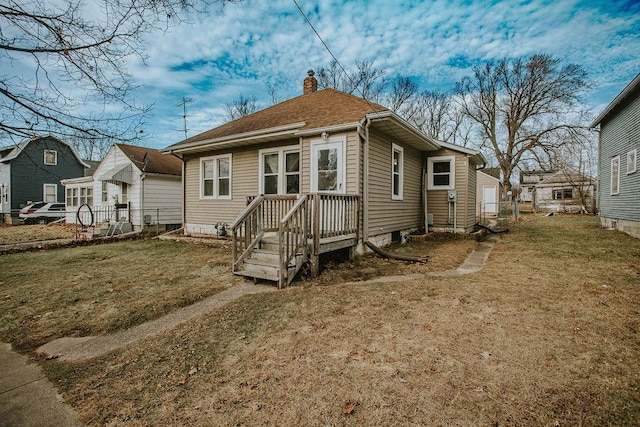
x,y
619,186
32,170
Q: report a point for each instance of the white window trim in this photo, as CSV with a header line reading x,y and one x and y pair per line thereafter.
x,y
55,157
216,177
400,196
615,159
452,180
44,192
343,167
282,182
633,153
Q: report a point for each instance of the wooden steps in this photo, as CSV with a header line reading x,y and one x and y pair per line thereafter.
x,y
264,262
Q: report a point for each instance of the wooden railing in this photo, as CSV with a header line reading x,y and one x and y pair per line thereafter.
x,y
261,215
333,215
293,234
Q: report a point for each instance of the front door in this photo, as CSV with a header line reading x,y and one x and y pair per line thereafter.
x,y
327,167
327,176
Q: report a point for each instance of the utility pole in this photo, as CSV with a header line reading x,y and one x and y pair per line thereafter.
x,y
183,104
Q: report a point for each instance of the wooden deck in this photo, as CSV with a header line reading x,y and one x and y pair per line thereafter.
x,y
275,235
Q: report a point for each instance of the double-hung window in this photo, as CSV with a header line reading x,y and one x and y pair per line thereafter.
x,y
49,193
397,171
279,171
615,175
215,177
441,173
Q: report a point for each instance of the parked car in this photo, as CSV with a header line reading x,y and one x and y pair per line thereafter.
x,y
41,212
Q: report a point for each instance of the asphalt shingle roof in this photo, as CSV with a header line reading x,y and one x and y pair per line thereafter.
x,y
327,107
156,161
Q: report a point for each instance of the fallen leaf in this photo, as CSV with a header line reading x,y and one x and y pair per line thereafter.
x,y
349,406
193,370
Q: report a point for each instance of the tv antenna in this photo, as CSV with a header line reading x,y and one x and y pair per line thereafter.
x,y
183,104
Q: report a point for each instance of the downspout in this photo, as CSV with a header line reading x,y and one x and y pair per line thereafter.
x,y
365,182
184,193
424,193
142,224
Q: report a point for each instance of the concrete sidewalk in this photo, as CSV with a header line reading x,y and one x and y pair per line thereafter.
x,y
72,348
27,397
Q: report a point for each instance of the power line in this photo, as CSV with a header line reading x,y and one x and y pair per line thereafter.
x,y
304,15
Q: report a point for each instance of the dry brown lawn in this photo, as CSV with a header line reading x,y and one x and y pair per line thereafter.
x,y
546,334
34,233
103,288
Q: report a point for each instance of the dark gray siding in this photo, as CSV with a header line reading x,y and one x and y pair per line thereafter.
x,y
29,173
619,134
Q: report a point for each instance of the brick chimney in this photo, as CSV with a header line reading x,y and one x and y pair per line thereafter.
x,y
310,83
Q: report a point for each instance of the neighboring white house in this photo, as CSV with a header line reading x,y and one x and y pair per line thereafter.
x,y
139,184
488,192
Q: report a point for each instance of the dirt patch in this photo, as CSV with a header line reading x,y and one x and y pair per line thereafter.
x,y
546,334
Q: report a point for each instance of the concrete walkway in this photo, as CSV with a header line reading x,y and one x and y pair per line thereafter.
x,y
474,262
27,398
87,347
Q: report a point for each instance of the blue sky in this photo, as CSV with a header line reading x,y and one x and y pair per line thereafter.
x,y
240,48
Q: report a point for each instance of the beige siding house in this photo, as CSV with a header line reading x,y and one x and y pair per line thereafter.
x,y
346,170
488,193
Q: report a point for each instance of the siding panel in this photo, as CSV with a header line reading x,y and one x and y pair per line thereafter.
x,y
387,215
619,135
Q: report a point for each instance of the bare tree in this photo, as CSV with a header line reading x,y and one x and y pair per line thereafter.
x,y
69,58
402,91
366,81
240,107
523,106
438,114
577,161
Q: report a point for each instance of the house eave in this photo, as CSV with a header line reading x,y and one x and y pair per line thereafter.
x,y
236,140
390,122
617,101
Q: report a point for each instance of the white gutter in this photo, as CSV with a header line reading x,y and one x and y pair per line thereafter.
x,y
328,129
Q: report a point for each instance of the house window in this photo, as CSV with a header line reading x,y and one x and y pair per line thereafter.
x,y
86,196
105,192
615,175
215,177
50,157
124,192
397,171
49,193
631,161
441,173
563,194
279,171
72,197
